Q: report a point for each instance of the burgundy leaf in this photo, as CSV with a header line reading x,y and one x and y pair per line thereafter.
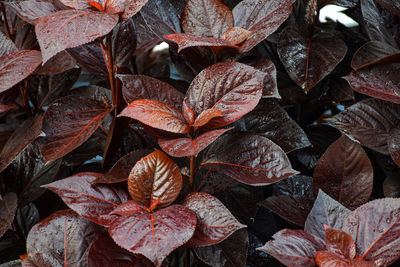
x,y
68,122
339,243
375,228
123,43
129,207
16,66
155,181
309,60
392,6
236,35
214,221
394,145
232,88
294,247
157,115
378,81
342,3
8,207
250,159
32,10
206,18
121,170
373,53
70,28
187,40
145,87
62,239
186,147
206,116
91,201
130,7
326,211
261,17
154,235
57,64
328,259
19,140
5,108
369,122
6,45
345,173
76,4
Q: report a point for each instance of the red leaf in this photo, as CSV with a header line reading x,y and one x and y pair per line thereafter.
x,y
129,207
339,243
146,87
206,18
16,66
155,179
394,145
157,115
154,235
8,207
205,116
374,52
130,7
309,60
250,159
230,87
68,122
70,28
375,228
380,81
98,6
186,147
261,17
5,108
91,201
6,45
62,239
19,140
236,35
214,221
187,40
57,64
328,259
294,248
345,173
32,10
76,4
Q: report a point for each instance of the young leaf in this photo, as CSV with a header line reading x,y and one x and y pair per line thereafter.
x,y
157,115
339,243
187,40
16,66
294,247
375,228
345,173
70,28
8,207
68,122
214,221
236,35
6,45
91,201
373,53
186,147
154,235
309,60
394,145
32,10
328,259
155,180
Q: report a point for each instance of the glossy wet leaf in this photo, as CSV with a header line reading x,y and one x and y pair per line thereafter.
x,y
68,122
76,4
309,60
91,201
236,35
57,64
188,40
16,66
294,247
372,53
6,45
248,158
155,180
157,115
154,235
328,259
70,28
123,42
32,10
340,243
8,207
345,173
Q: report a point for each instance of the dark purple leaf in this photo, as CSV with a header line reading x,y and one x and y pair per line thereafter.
x,y
57,64
339,243
328,259
32,10
373,53
187,40
6,45
343,3
123,42
8,207
393,6
394,145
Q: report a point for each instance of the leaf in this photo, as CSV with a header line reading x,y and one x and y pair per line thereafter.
x,y
378,81
91,201
326,211
247,158
392,6
6,45
31,10
61,240
68,122
375,228
236,35
328,259
57,64
187,40
373,53
230,87
70,28
294,247
19,140
339,243
309,60
214,221
145,87
130,7
186,147
8,207
121,170
261,17
16,66
369,122
27,217
206,18
230,252
345,173
154,235
394,145
155,180
76,4
205,116
123,43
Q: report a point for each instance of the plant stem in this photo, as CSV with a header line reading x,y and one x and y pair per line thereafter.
x,y
191,171
23,91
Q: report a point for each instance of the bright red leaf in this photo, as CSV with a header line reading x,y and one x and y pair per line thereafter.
x,y
206,116
339,243
8,207
328,259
